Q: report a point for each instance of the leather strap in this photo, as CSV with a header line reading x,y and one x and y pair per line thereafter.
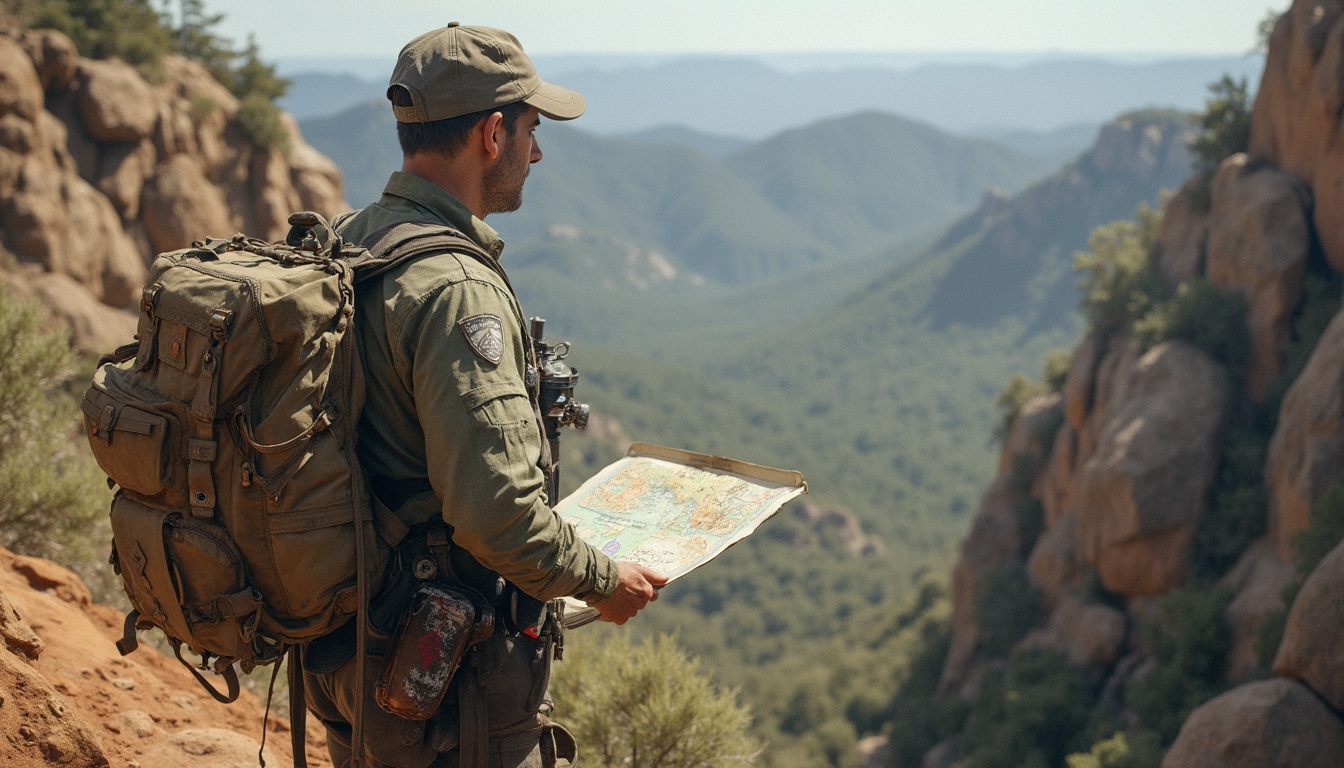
x,y
298,709
203,448
229,674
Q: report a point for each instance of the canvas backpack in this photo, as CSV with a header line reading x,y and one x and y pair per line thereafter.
x,y
241,518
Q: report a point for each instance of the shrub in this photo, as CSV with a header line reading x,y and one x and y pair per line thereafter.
x,y
129,29
1120,283
648,706
1226,123
1032,716
1005,609
52,497
1121,751
261,122
1188,649
1205,316
1237,503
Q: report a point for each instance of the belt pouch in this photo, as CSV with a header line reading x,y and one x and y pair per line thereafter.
x,y
440,625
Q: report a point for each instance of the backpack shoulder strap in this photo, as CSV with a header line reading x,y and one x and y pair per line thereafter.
x,y
390,246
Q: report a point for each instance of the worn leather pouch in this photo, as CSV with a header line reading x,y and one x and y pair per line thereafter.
x,y
439,627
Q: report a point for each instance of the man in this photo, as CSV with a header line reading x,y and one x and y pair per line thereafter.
x,y
450,433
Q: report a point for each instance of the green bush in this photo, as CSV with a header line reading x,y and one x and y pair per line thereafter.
x,y
1034,715
1226,123
1205,316
129,29
53,498
1005,609
261,122
1188,649
1237,503
1120,282
1121,751
647,705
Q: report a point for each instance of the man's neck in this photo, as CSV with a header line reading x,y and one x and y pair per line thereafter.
x,y
450,175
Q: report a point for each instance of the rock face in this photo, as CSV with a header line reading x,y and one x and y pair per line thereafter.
x,y
1310,648
1257,582
1269,724
1297,108
1142,493
1184,236
100,169
1090,635
1258,242
68,698
1306,455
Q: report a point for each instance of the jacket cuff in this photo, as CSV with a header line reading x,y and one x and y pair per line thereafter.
x,y
600,581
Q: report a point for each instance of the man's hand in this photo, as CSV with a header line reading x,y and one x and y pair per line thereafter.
x,y
636,587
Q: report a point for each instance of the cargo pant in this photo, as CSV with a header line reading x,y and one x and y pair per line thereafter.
x,y
512,672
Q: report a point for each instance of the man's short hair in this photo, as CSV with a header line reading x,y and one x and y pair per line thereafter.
x,y
447,137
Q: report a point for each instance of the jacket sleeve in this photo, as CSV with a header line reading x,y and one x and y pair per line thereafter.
x,y
483,447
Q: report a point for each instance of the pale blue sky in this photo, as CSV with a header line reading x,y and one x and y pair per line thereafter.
x,y
363,28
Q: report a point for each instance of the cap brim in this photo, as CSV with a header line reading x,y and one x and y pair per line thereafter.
x,y
555,102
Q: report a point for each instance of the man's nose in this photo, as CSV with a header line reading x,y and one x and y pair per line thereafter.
x,y
536,151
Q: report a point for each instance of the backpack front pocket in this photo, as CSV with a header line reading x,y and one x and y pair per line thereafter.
x,y
130,444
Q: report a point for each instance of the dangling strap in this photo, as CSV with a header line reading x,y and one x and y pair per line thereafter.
x,y
266,716
229,675
298,709
129,640
474,720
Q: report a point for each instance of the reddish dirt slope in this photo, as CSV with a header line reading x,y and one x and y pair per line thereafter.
x,y
79,703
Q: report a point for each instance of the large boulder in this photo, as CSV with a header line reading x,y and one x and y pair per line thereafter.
x,y
1032,433
54,55
115,102
1306,454
180,205
1054,566
1256,582
1268,724
316,178
1296,117
1144,490
94,327
1184,234
20,86
1310,650
1259,239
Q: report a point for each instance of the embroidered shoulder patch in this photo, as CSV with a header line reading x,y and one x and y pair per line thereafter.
x,y
485,334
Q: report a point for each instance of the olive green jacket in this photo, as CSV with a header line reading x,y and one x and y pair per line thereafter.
x,y
437,409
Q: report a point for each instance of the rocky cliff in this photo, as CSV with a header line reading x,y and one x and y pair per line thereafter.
x,y
1168,474
67,698
100,168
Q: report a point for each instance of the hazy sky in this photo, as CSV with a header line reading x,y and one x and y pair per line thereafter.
x,y
328,28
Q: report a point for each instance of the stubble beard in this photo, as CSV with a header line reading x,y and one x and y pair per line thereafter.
x,y
502,184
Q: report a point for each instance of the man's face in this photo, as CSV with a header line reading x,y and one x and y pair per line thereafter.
x,y
503,181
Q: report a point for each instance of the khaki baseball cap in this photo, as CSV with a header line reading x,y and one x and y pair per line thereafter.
x,y
456,70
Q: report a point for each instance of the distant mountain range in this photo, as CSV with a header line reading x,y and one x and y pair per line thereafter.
x,y
839,186
756,98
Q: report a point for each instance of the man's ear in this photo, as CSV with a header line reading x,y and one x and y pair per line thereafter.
x,y
492,134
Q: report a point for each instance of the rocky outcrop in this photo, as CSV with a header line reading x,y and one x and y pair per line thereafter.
x,y
1269,724
1258,242
1306,455
1311,639
1143,492
1296,117
836,521
1184,236
1256,582
100,169
68,698
1090,635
